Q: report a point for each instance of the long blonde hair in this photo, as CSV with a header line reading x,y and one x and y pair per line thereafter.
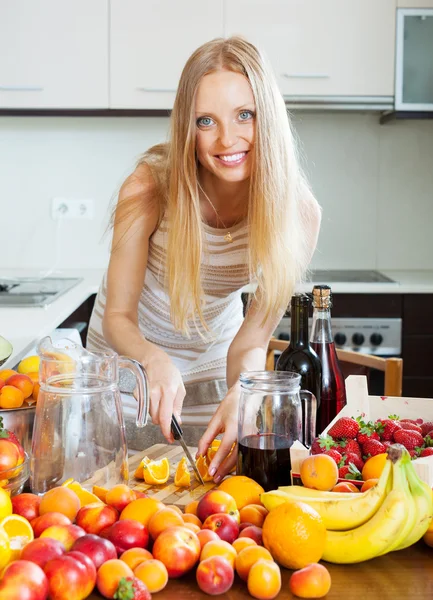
x,y
279,243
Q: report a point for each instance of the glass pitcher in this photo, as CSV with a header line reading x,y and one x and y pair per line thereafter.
x,y
273,413
79,431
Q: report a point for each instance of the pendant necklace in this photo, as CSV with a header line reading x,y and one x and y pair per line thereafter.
x,y
228,236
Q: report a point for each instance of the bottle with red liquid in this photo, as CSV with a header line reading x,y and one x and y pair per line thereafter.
x,y
333,390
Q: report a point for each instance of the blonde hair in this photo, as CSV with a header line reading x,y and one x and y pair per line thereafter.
x,y
279,243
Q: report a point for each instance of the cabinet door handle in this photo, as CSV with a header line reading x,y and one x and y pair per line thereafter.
x,y
157,90
305,75
21,88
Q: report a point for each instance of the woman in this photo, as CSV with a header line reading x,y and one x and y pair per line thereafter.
x,y
222,205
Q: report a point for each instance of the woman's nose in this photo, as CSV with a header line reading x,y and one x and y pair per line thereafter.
x,y
228,135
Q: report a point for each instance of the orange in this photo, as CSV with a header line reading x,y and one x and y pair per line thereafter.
x,y
242,543
248,557
163,519
153,573
374,466
254,514
368,484
264,580
139,470
243,489
219,548
11,397
182,476
319,472
20,533
5,504
100,492
295,535
156,471
141,510
135,556
84,496
5,550
212,450
62,500
202,465
191,508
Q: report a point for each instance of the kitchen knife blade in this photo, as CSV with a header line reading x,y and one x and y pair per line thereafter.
x,y
178,436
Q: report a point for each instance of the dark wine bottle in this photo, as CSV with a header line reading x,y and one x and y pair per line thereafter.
x,y
299,356
333,389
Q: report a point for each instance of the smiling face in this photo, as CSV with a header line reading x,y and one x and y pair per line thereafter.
x,y
225,122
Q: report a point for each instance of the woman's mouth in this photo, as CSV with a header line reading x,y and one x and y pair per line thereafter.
x,y
232,160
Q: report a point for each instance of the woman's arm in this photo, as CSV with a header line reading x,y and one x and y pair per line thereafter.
x,y
125,279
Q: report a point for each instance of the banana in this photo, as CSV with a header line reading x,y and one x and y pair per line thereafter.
x,y
422,496
302,492
372,538
342,513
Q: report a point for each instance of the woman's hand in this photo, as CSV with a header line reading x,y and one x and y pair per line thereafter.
x,y
166,392
225,421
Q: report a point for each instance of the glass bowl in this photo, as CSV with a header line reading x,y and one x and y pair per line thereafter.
x,y
13,480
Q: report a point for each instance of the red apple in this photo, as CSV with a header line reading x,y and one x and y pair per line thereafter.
x,y
178,549
48,520
67,578
90,568
23,579
215,575
224,525
67,534
98,549
95,517
26,505
42,550
253,532
127,534
217,501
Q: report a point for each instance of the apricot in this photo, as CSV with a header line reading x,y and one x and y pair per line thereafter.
x,y
345,486
153,574
62,500
319,472
248,557
163,519
21,382
9,455
6,373
178,548
215,575
242,543
109,574
191,508
264,580
141,510
368,484
192,519
254,514
135,556
207,535
192,527
313,581
11,397
47,520
120,496
174,507
219,548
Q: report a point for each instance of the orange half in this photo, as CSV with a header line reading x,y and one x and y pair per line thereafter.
x,y
20,533
156,471
182,477
100,492
85,496
139,470
202,465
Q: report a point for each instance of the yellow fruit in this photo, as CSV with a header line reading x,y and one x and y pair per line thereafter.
x,y
202,465
156,471
29,365
5,550
139,470
243,489
100,492
182,477
19,532
84,496
374,466
5,504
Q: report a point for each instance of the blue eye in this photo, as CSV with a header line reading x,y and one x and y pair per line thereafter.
x,y
204,121
246,115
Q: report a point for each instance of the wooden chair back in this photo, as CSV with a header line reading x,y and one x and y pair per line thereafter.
x,y
355,362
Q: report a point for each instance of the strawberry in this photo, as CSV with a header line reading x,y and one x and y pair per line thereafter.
x,y
427,452
409,439
345,427
413,454
389,426
426,428
387,444
349,472
372,448
334,454
428,439
354,459
132,588
323,443
408,421
411,427
367,435
350,447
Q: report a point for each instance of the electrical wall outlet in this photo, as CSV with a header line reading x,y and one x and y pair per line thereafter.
x,y
67,208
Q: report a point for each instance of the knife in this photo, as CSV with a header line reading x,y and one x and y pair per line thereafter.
x,y
178,436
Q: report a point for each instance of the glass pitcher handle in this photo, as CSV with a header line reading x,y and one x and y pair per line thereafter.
x,y
143,387
309,412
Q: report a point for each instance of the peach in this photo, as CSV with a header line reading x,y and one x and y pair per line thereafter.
x,y
163,519
66,534
120,496
90,569
219,548
207,535
23,579
248,557
98,549
135,556
153,574
22,382
109,575
192,527
69,577
48,520
264,580
127,534
215,575
95,517
192,519
60,499
9,455
26,505
254,514
215,502
191,508
313,581
41,550
253,532
178,548
242,543
224,525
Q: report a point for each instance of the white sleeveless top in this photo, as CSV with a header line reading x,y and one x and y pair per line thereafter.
x,y
224,273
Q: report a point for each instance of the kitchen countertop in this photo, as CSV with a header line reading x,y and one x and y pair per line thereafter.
x,y
24,326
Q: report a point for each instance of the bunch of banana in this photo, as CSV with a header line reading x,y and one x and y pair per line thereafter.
x,y
390,516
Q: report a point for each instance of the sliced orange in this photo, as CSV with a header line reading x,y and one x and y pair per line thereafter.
x,y
68,482
139,470
212,450
85,496
182,477
202,465
100,492
156,471
20,533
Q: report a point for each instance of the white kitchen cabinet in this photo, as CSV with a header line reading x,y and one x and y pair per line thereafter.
x,y
150,41
54,54
415,3
339,48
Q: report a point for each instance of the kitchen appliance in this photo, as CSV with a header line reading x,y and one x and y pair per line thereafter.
x,y
79,429
27,291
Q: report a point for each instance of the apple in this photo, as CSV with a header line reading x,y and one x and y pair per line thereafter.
x,y
95,517
26,505
178,548
98,549
217,501
224,525
23,579
215,575
42,550
127,534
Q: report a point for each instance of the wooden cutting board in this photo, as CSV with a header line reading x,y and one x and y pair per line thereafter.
x,y
168,492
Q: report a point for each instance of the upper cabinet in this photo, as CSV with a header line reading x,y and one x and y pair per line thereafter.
x,y
54,54
322,48
150,42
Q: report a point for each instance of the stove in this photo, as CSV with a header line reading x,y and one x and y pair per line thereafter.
x,y
33,292
348,276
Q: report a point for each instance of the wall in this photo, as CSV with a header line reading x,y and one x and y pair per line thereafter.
x,y
375,184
